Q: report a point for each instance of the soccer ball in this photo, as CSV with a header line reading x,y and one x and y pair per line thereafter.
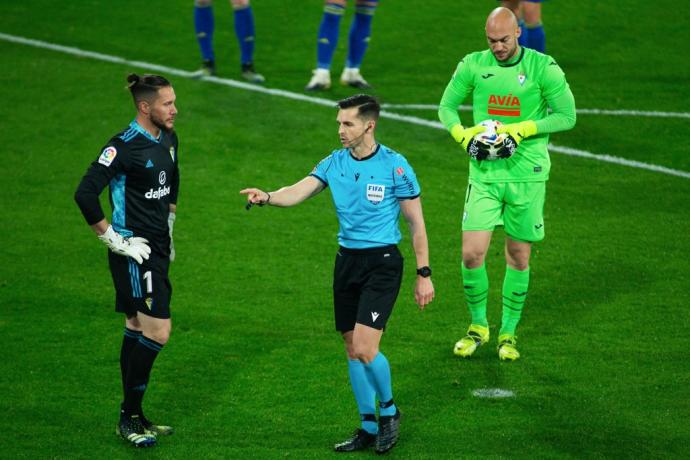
x,y
490,136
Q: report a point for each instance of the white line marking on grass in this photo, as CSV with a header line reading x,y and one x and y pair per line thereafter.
x,y
622,112
317,100
493,393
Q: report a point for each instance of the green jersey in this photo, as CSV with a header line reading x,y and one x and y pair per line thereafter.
x,y
522,89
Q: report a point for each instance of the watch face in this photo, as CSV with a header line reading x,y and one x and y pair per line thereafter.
x,y
424,272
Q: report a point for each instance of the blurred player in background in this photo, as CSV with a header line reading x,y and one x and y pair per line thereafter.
x,y
360,32
515,86
244,29
140,166
528,13
370,185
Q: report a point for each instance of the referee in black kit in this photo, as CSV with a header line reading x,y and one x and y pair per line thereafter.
x,y
140,166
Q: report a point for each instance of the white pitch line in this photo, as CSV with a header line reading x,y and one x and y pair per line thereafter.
x,y
493,393
633,113
315,100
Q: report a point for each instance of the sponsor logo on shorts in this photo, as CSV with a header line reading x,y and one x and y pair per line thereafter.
x,y
375,193
538,226
537,169
149,302
107,155
374,316
464,216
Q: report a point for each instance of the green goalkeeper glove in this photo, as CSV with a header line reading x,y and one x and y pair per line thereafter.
x,y
134,247
464,136
518,131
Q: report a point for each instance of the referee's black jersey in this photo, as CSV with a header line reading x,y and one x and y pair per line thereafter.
x,y
144,179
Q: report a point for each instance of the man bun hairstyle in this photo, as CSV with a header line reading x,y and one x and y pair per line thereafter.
x,y
145,87
369,107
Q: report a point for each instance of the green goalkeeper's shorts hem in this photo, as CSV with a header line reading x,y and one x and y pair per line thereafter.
x,y
518,206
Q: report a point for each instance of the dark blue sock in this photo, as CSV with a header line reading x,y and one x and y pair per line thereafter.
x,y
365,395
379,373
140,363
359,35
328,35
203,24
524,34
536,39
244,29
129,341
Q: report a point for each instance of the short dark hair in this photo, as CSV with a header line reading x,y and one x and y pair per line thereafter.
x,y
369,106
145,87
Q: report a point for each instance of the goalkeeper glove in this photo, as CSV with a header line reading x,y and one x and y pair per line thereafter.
x,y
171,221
464,136
518,131
134,247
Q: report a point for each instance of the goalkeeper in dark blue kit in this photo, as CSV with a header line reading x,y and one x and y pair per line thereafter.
x,y
140,167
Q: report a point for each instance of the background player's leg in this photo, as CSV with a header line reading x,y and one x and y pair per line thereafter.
x,y
327,41
536,38
360,33
244,29
203,25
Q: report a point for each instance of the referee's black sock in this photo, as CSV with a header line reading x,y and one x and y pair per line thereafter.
x,y
129,341
140,363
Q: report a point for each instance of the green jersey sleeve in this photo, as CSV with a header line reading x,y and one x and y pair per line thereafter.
x,y
559,98
460,86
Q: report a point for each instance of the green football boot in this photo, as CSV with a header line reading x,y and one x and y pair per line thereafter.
x,y
507,347
476,335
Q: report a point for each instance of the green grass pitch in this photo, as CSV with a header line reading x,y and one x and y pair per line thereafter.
x,y
254,368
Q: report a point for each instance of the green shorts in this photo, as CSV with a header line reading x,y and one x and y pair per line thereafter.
x,y
518,206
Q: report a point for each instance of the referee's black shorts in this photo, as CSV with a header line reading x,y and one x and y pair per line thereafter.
x,y
366,283
141,288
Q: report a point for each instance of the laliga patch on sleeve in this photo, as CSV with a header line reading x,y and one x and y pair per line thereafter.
x,y
107,156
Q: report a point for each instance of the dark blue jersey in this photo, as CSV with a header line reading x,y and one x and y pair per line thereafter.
x,y
143,177
366,193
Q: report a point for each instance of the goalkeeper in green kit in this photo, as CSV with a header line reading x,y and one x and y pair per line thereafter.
x,y
507,182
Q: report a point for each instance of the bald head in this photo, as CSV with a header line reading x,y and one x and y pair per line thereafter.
x,y
502,33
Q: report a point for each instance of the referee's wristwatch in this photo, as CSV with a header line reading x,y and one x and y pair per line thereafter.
x,y
424,272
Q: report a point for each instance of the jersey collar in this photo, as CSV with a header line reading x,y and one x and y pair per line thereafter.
x,y
516,61
137,127
378,146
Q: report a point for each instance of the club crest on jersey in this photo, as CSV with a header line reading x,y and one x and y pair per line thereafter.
x,y
107,156
375,193
521,78
161,177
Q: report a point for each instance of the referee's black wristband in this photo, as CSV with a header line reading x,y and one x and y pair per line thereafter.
x,y
263,203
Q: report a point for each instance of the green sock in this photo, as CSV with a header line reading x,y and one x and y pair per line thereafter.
x,y
515,286
476,284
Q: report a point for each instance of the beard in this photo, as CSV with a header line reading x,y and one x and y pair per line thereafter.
x,y
159,123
